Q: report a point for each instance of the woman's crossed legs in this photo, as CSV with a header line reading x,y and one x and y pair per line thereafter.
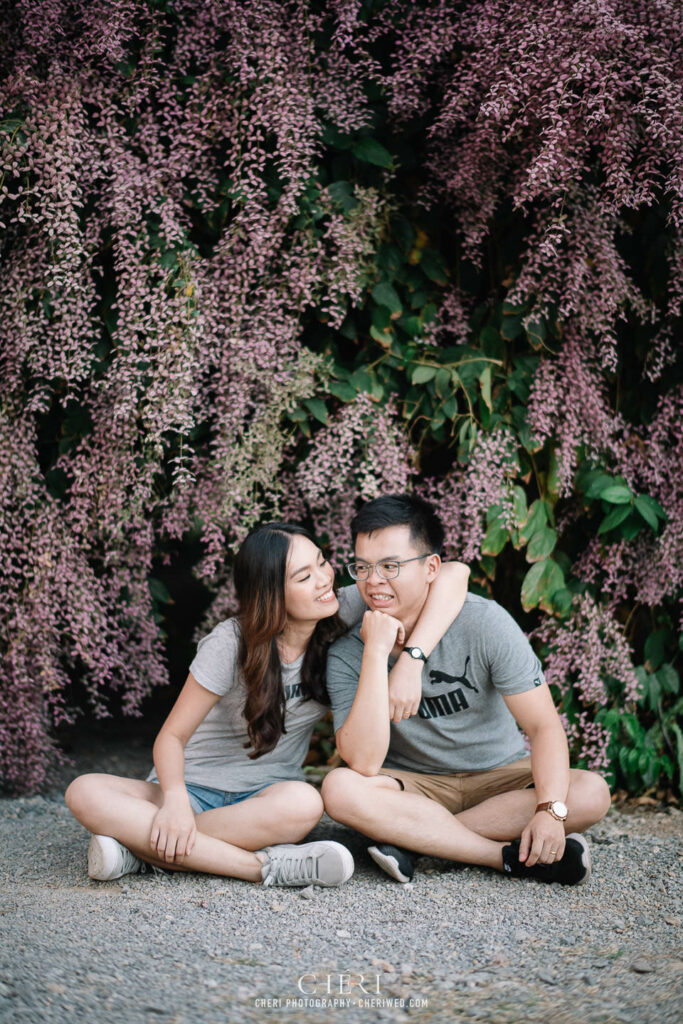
x,y
227,837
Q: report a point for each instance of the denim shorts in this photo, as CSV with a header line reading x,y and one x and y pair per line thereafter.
x,y
203,798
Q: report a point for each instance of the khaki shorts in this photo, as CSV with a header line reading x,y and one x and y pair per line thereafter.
x,y
461,790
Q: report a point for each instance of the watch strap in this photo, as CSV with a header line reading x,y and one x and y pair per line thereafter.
x,y
548,806
419,653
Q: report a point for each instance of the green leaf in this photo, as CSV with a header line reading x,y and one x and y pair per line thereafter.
x,y
370,151
488,564
511,327
632,526
169,260
485,381
491,342
519,505
343,391
384,337
443,384
434,267
361,380
597,483
537,518
342,193
614,518
553,479
412,325
385,295
679,750
496,538
317,407
450,407
541,582
541,544
562,602
668,679
653,505
535,332
654,650
421,374
381,317
158,591
645,505
513,308
617,494
654,692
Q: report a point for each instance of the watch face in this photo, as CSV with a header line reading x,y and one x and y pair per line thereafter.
x,y
560,809
415,653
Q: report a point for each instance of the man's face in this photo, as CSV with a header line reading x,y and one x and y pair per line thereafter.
x,y
404,595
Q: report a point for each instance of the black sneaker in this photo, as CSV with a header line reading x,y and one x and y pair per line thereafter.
x,y
396,861
573,869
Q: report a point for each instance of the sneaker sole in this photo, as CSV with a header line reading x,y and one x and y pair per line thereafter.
x,y
104,860
101,860
347,864
388,864
585,856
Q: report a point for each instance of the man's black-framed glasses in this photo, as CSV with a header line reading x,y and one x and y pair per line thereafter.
x,y
387,569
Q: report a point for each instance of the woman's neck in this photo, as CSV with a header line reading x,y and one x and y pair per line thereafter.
x,y
293,640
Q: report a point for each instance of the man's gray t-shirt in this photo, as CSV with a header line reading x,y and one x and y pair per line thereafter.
x,y
215,755
463,723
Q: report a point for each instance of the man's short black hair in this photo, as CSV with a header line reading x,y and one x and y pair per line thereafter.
x,y
426,529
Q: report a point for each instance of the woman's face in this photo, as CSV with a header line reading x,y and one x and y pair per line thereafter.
x,y
308,582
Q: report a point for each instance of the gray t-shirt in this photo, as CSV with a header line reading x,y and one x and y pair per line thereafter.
x,y
463,723
215,754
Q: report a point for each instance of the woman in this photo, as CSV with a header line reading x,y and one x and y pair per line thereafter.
x,y
228,795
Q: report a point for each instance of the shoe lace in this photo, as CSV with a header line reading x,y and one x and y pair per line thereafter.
x,y
290,869
130,861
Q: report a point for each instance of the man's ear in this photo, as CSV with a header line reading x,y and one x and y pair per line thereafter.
x,y
433,567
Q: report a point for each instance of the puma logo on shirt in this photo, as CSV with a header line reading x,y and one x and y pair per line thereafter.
x,y
446,703
443,677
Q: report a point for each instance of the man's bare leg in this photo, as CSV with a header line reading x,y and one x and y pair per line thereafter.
x,y
379,808
505,816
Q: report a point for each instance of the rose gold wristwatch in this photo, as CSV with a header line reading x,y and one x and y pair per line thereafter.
x,y
555,809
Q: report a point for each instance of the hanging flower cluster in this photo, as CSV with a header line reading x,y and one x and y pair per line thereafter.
x,y
156,268
564,110
361,454
199,203
580,654
466,493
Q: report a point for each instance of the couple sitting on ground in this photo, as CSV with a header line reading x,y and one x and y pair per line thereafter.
x,y
427,690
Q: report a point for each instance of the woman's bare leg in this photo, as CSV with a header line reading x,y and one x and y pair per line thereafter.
x,y
125,808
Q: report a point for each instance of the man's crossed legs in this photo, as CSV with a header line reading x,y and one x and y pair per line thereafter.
x,y
472,818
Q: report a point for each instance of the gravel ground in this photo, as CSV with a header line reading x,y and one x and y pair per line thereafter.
x,y
459,944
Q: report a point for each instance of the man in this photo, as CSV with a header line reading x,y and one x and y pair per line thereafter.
x,y
453,780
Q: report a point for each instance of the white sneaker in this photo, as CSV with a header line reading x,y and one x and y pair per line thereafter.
x,y
108,859
322,863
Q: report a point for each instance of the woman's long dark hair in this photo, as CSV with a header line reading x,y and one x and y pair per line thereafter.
x,y
260,569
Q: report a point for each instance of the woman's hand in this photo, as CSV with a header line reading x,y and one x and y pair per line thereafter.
x,y
380,632
174,828
405,688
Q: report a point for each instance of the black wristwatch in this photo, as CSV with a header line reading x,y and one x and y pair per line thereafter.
x,y
416,653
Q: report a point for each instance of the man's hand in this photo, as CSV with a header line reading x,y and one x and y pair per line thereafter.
x,y
542,840
381,632
174,828
405,688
